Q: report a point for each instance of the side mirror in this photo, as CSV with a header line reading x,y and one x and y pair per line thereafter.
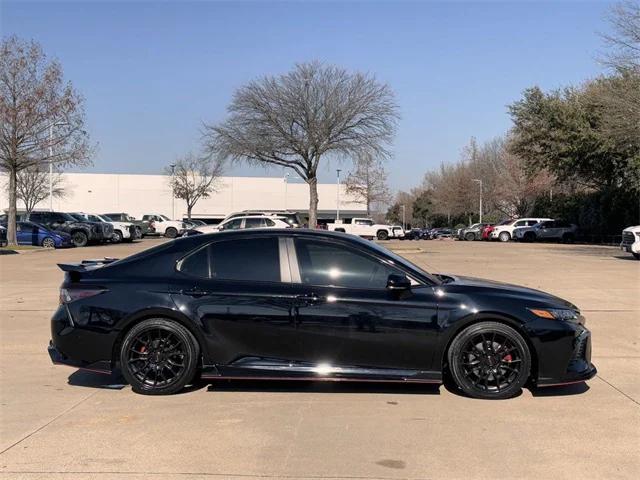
x,y
397,282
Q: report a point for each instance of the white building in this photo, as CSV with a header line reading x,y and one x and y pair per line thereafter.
x,y
140,194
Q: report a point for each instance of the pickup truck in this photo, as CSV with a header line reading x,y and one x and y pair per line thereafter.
x,y
162,225
631,241
366,228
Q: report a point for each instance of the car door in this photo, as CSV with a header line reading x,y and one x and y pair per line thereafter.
x,y
546,230
239,293
347,317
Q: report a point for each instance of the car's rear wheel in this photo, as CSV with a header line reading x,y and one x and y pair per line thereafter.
x,y
48,242
504,236
489,360
171,232
470,237
79,238
159,357
382,235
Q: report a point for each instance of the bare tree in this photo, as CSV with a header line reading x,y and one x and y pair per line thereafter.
x,y
192,178
41,116
297,119
32,186
368,182
624,41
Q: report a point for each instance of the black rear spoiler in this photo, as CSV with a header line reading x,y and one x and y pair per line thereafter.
x,y
86,265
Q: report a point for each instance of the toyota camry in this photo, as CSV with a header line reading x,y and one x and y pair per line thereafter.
x,y
309,305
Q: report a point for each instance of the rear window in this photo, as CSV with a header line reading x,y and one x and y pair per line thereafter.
x,y
251,259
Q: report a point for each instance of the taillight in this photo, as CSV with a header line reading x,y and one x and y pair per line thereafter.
x,y
68,295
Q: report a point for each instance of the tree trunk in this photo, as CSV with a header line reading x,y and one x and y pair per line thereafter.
x,y
189,207
313,201
11,220
368,206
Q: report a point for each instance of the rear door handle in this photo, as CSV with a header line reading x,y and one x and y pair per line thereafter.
x,y
195,292
308,298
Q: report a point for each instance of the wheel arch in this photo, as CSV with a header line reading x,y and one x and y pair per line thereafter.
x,y
474,319
165,313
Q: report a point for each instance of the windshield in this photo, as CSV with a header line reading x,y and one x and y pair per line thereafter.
x,y
73,217
506,222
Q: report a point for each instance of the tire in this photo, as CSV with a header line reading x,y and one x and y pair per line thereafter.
x,y
116,237
529,237
138,234
499,373
48,242
636,256
79,238
504,236
159,357
568,238
171,232
382,235
470,237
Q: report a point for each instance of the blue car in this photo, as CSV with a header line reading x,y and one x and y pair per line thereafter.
x,y
30,233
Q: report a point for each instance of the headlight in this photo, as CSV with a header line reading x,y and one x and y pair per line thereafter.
x,y
566,314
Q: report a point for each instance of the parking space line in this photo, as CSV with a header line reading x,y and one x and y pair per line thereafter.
x,y
618,390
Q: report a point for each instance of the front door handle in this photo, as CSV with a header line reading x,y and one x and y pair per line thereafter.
x,y
308,298
195,292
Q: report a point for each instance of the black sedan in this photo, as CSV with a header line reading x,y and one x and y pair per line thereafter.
x,y
301,304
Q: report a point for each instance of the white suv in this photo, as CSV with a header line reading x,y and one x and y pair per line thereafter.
x,y
162,225
249,221
504,231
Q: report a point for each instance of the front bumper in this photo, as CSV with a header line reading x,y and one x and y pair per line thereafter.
x,y
630,247
579,367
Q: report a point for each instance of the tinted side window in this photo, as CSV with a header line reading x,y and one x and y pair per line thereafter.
x,y
253,222
323,263
268,222
521,223
38,217
251,259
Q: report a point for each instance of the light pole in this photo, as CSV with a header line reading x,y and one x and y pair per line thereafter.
x,y
173,196
338,197
55,124
404,223
286,184
480,182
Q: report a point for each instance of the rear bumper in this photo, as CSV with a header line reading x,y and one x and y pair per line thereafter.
x,y
59,358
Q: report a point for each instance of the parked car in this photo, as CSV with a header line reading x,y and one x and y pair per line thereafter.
x,y
363,227
226,297
122,231
249,221
547,230
504,231
3,236
416,234
142,227
162,225
29,233
82,232
290,217
440,233
397,232
474,232
486,231
631,241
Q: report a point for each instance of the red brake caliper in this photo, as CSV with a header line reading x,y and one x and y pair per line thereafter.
x,y
507,358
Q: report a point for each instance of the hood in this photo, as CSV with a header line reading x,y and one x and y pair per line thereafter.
x,y
507,289
633,229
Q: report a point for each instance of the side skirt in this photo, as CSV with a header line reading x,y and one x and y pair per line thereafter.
x,y
276,369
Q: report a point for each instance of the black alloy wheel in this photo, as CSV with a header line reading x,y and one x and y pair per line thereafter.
x,y
159,357
489,360
79,238
171,232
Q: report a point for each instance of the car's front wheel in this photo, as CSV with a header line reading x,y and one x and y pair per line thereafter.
x,y
470,237
504,236
116,237
79,238
49,242
382,235
489,360
159,357
171,232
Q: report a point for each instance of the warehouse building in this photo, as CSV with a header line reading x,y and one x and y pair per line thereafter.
x,y
141,194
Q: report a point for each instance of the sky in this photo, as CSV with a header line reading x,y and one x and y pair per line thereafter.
x,y
152,73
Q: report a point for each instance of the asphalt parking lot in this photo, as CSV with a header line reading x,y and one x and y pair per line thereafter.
x,y
58,423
